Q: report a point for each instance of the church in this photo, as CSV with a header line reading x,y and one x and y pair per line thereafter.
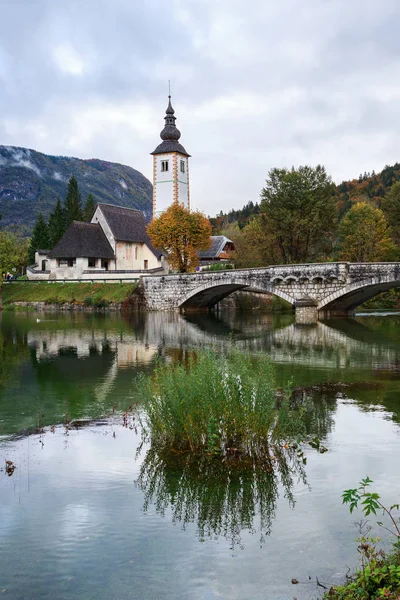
x,y
115,244
170,167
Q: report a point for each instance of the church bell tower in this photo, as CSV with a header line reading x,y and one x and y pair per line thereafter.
x,y
170,167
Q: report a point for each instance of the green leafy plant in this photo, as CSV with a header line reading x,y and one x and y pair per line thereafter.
x,y
213,437
379,573
371,503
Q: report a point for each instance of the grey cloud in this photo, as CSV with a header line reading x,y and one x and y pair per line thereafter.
x,y
18,157
254,86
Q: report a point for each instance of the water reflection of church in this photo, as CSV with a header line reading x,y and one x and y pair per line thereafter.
x,y
140,341
127,349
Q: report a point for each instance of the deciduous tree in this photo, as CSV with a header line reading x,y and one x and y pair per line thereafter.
x,y
391,208
300,213
365,236
255,246
13,252
181,233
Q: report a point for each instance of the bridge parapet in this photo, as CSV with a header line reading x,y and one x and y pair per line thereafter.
x,y
365,271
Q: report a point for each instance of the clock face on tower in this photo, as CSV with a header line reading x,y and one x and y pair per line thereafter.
x,y
170,167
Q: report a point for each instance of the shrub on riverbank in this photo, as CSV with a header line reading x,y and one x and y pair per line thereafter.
x,y
379,573
85,293
378,577
225,406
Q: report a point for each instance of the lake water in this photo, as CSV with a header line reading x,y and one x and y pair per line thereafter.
x,y
85,515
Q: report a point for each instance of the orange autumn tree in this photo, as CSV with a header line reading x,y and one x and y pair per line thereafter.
x,y
181,234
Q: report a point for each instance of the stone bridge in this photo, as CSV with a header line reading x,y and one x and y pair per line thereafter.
x,y
314,290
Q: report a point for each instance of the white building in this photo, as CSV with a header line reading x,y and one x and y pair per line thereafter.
x,y
170,167
114,245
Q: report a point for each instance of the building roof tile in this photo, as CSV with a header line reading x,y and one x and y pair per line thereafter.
x,y
83,240
218,243
128,225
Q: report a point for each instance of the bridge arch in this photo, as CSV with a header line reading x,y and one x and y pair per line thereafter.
x,y
206,295
352,295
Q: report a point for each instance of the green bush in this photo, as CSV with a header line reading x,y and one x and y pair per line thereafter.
x,y
378,576
219,267
221,406
101,303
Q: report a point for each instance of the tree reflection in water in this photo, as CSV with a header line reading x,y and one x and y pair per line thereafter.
x,y
222,498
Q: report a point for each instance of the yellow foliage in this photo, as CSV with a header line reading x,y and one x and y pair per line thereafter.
x,y
181,233
365,235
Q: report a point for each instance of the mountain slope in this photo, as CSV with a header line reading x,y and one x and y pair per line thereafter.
x,y
30,182
370,186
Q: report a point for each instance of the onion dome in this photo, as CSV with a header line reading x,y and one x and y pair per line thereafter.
x,y
170,134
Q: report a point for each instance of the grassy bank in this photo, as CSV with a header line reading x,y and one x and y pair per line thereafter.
x,y
89,294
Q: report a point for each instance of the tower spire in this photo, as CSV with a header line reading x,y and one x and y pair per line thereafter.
x,y
170,134
170,131
170,165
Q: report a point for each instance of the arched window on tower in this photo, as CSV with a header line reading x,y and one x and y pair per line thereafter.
x,y
182,166
164,165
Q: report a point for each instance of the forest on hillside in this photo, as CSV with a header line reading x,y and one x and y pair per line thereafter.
x,y
367,187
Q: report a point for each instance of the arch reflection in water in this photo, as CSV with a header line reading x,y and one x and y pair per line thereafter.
x,y
221,499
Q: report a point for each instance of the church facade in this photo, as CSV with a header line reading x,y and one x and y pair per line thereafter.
x,y
115,244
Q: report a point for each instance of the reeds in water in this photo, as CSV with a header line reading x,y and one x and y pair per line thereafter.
x,y
220,405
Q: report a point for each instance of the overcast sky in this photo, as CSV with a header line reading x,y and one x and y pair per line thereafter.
x,y
255,85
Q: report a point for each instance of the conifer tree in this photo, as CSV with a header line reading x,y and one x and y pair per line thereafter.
x,y
40,238
56,224
89,208
73,203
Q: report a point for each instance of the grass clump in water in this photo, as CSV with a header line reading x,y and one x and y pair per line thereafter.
x,y
222,406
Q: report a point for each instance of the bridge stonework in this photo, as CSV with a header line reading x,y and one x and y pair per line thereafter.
x,y
324,289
